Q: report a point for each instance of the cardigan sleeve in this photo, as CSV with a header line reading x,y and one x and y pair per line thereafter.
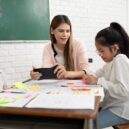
x,y
82,58
3,81
48,57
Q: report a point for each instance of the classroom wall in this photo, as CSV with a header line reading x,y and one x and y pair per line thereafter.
x,y
87,17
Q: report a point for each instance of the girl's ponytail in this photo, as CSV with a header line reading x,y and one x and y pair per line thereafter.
x,y
124,44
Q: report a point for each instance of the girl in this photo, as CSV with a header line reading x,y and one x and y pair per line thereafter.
x,y
112,44
69,54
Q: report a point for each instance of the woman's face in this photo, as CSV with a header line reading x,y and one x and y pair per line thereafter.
x,y
61,33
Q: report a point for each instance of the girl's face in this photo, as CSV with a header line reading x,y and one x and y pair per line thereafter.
x,y
106,53
61,33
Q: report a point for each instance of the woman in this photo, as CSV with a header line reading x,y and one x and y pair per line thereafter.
x,y
68,54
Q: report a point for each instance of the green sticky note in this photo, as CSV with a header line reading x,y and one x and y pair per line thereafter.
x,y
2,101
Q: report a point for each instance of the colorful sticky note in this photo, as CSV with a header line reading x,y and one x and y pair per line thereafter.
x,y
19,85
2,101
35,88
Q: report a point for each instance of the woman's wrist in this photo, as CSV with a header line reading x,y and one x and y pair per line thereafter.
x,y
74,74
67,74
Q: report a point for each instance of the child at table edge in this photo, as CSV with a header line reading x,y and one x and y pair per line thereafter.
x,y
112,44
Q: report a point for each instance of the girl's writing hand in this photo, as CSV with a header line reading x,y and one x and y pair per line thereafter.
x,y
90,79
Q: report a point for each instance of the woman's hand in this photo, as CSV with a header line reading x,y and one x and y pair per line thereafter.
x,y
35,75
90,79
60,71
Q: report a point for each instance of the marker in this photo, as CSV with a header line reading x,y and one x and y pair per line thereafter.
x,y
27,80
71,86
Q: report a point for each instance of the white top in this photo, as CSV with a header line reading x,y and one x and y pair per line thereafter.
x,y
114,77
59,57
79,56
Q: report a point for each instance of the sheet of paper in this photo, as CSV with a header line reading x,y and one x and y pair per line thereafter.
x,y
43,82
63,101
79,87
96,91
15,99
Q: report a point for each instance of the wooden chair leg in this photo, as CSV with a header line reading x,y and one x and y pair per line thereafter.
x,y
122,126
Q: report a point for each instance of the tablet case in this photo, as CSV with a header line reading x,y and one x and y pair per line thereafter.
x,y
47,73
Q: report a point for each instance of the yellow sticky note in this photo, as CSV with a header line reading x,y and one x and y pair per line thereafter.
x,y
19,85
35,88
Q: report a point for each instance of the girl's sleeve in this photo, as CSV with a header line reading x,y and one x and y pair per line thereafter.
x,y
100,72
119,87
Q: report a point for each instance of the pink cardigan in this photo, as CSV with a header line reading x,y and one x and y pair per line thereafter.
x,y
80,57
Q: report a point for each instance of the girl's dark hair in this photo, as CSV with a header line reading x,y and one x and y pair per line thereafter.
x,y
114,34
68,50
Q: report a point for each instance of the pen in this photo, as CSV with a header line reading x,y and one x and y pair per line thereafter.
x,y
70,86
15,92
27,80
81,86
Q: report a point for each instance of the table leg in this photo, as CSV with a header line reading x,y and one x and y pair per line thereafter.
x,y
88,124
97,122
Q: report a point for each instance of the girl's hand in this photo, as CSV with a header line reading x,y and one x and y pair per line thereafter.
x,y
60,71
35,75
90,79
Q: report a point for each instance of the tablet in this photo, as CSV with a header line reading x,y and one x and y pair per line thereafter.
x,y
47,73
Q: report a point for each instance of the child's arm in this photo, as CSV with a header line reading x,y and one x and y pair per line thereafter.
x,y
100,72
90,79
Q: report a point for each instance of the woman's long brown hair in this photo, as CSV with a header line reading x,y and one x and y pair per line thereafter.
x,y
68,50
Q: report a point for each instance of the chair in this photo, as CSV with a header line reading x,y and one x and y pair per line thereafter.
x,y
122,126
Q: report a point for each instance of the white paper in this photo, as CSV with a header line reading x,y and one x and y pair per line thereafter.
x,y
15,99
44,81
63,101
